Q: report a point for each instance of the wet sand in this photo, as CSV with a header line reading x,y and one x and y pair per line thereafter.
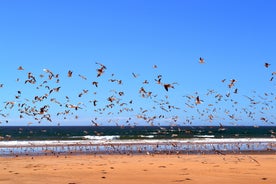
x,y
132,169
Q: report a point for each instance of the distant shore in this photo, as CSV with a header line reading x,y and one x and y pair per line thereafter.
x,y
132,169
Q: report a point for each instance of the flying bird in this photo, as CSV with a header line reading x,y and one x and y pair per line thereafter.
x,y
167,86
95,102
201,60
267,65
198,101
69,74
95,83
232,82
100,70
20,68
83,77
135,75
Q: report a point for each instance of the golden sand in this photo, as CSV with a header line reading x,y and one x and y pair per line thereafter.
x,y
118,169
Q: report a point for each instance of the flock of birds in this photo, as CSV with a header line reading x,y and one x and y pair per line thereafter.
x,y
48,97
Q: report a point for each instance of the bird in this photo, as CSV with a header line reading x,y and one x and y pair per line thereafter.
x,y
51,74
76,107
100,70
267,65
198,101
83,77
232,82
20,68
10,104
94,123
95,102
69,73
121,93
95,83
146,82
158,80
167,86
201,60
54,90
135,75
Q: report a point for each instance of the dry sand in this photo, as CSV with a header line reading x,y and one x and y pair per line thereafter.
x,y
120,169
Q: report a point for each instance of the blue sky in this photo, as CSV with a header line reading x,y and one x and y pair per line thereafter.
x,y
235,38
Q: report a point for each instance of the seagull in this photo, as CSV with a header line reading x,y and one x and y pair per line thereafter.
x,y
135,75
69,74
10,104
95,83
198,101
83,77
20,68
232,83
76,107
95,102
267,65
100,70
201,60
158,80
167,86
49,71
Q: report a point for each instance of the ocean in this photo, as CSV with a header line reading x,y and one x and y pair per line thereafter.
x,y
38,140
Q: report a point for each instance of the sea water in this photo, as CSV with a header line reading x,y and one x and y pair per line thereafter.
x,y
39,140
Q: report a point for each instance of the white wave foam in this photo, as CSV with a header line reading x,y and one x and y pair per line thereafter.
x,y
107,137
146,136
204,136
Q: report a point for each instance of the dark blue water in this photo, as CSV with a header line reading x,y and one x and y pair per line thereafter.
x,y
137,132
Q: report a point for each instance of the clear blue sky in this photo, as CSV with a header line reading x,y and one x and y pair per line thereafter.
x,y
234,37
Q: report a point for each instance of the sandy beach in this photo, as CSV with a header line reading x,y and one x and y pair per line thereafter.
x,y
77,169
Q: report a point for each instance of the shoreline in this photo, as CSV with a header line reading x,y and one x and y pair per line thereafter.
x,y
76,169
50,152
139,148
86,147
